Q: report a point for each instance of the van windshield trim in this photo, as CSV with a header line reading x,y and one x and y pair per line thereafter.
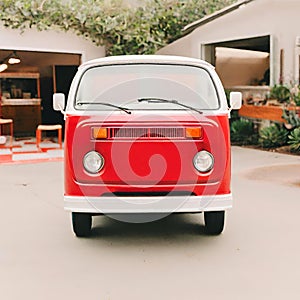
x,y
217,104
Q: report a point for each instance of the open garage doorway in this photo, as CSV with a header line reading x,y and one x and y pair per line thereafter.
x,y
243,64
253,54
31,104
242,67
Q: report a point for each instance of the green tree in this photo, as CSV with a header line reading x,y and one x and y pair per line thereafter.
x,y
121,29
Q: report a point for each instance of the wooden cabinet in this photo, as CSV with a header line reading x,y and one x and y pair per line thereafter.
x,y
26,118
21,101
20,85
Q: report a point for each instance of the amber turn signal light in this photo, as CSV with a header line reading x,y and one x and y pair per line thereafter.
x,y
99,133
193,132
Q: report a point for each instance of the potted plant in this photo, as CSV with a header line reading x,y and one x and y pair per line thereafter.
x,y
281,94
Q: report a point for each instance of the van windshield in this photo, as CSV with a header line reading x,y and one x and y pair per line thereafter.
x,y
123,86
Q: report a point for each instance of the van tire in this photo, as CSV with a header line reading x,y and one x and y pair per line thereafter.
x,y
214,222
82,224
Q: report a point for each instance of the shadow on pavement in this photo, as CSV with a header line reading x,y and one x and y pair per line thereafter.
x,y
169,228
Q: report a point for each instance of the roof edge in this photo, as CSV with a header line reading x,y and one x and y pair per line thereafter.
x,y
190,27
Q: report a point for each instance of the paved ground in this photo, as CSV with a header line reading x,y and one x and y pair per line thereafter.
x,y
24,150
257,257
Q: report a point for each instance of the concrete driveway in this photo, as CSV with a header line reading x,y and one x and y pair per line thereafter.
x,y
257,256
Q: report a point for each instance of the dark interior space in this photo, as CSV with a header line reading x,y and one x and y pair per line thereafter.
x,y
20,94
261,43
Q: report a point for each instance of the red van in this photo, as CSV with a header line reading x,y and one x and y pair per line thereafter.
x,y
146,136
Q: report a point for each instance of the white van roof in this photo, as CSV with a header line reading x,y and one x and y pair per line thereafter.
x,y
155,59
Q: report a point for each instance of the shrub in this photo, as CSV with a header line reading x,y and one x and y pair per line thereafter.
x,y
243,132
292,119
294,139
273,136
281,93
297,100
295,94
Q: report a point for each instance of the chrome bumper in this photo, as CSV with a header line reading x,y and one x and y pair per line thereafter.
x,y
152,204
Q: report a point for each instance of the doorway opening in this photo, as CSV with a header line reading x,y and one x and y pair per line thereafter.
x,y
251,57
31,104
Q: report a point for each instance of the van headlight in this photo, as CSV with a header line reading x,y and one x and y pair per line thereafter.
x,y
203,161
93,162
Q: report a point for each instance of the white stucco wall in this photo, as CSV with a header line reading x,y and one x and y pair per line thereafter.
x,y
185,46
278,18
49,41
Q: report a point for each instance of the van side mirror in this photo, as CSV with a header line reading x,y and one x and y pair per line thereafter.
x,y
59,102
235,100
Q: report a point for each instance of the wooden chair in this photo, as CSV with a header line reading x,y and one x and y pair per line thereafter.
x,y
41,128
11,123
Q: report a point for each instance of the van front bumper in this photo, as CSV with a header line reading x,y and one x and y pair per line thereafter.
x,y
147,204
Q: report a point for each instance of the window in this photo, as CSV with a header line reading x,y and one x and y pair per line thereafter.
x,y
123,85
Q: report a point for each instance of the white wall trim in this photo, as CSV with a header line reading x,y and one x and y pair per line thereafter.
x,y
51,41
236,38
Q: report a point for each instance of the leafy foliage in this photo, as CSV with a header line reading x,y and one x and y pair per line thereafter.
x,y
273,136
281,93
121,29
243,132
294,139
295,94
292,118
297,99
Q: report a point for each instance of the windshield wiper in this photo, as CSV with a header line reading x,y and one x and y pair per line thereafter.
x,y
160,100
107,104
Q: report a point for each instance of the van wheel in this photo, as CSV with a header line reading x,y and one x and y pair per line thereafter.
x,y
82,224
214,222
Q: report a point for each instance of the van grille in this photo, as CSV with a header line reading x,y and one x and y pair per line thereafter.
x,y
147,133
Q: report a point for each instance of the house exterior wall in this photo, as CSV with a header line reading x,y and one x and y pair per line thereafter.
x,y
49,41
278,18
